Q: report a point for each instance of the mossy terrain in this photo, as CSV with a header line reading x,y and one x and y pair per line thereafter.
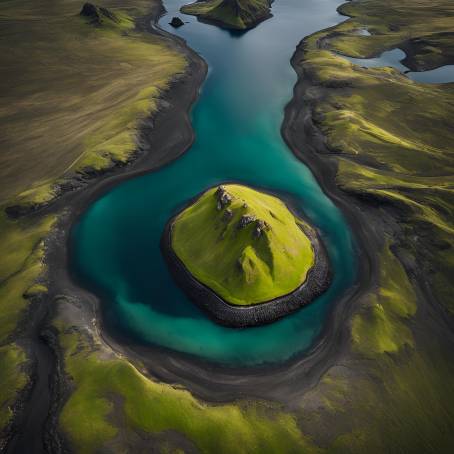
x,y
74,91
244,244
22,246
12,380
391,141
425,34
113,405
22,273
394,392
393,136
235,14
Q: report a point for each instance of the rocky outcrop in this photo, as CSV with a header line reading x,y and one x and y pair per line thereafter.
x,y
97,14
245,220
260,226
176,22
223,197
228,214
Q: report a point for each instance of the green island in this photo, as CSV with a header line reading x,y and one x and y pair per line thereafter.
x,y
254,248
234,14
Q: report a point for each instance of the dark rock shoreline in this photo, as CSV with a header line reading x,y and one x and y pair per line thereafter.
x,y
317,281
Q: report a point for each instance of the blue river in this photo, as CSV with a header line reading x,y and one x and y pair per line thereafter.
x,y
237,122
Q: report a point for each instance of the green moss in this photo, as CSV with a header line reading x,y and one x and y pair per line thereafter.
x,y
405,405
18,239
23,250
21,245
380,327
12,379
236,14
426,25
239,264
392,136
105,385
61,115
395,394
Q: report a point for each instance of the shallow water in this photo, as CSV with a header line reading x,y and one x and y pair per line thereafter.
x,y
237,121
441,75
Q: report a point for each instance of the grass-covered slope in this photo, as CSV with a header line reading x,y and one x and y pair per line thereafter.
x,y
73,92
114,407
243,244
236,14
393,137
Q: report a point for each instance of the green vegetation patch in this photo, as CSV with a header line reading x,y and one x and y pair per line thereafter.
x,y
21,278
391,136
237,14
22,246
12,380
245,245
422,28
111,400
74,91
380,327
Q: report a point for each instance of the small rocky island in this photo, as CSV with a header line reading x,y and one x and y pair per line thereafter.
x,y
233,14
176,22
244,257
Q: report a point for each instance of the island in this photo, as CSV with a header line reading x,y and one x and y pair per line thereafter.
x,y
232,14
244,257
176,22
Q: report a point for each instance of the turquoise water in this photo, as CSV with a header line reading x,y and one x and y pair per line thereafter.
x,y
441,75
237,122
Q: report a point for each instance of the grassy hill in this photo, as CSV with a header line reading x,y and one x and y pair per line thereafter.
x,y
237,14
243,244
